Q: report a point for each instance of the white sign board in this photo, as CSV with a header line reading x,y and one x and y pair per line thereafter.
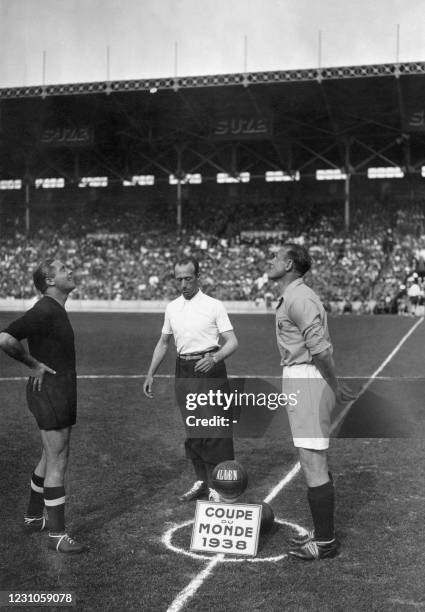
x,y
226,528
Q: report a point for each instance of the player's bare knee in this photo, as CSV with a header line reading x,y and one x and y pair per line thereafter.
x,y
56,467
314,465
57,456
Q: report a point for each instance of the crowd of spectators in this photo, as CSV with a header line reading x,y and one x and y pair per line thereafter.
x,y
378,267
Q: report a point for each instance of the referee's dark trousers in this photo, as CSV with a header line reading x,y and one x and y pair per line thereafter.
x,y
205,452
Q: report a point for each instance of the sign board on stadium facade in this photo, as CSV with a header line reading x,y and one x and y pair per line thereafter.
x,y
226,528
67,137
415,121
248,128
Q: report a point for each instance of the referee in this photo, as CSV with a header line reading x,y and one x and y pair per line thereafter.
x,y
308,372
51,396
196,321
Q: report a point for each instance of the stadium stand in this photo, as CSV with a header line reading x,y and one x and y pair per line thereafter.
x,y
373,269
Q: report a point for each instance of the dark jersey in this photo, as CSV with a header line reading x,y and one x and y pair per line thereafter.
x,y
49,334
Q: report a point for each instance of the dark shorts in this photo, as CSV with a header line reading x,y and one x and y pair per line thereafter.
x,y
55,406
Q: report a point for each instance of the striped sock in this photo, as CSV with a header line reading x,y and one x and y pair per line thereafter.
x,y
36,501
54,499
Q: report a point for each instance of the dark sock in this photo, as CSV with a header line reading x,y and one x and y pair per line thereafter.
x,y
36,502
200,471
322,501
54,499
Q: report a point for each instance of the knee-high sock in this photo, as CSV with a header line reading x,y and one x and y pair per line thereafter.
x,y
322,501
54,499
36,501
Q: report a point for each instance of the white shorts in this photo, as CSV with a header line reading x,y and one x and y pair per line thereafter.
x,y
310,415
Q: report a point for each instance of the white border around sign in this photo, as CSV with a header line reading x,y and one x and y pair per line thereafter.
x,y
253,523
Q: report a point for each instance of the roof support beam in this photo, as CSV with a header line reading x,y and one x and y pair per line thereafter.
x,y
316,155
376,153
332,121
267,161
208,159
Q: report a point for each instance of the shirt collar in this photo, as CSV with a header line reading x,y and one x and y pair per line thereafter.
x,y
54,300
290,287
195,298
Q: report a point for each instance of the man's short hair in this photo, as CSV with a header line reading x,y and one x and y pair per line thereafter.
x,y
300,257
184,261
41,274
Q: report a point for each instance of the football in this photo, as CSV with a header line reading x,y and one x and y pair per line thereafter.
x,y
229,479
267,518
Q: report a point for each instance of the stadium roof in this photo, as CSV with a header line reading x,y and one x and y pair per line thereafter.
x,y
299,120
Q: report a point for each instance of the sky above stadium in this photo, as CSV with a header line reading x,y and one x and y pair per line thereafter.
x,y
63,41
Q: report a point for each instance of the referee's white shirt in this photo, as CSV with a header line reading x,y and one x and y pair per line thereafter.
x,y
196,323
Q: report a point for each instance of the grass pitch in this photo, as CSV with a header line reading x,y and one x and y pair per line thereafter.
x,y
127,468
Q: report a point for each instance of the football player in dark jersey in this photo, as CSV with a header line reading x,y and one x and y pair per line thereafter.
x,y
51,396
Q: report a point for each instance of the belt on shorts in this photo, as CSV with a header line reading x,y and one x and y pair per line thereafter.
x,y
197,356
285,365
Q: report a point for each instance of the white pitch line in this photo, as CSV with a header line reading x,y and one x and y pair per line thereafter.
x,y
189,591
259,376
374,376
285,480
